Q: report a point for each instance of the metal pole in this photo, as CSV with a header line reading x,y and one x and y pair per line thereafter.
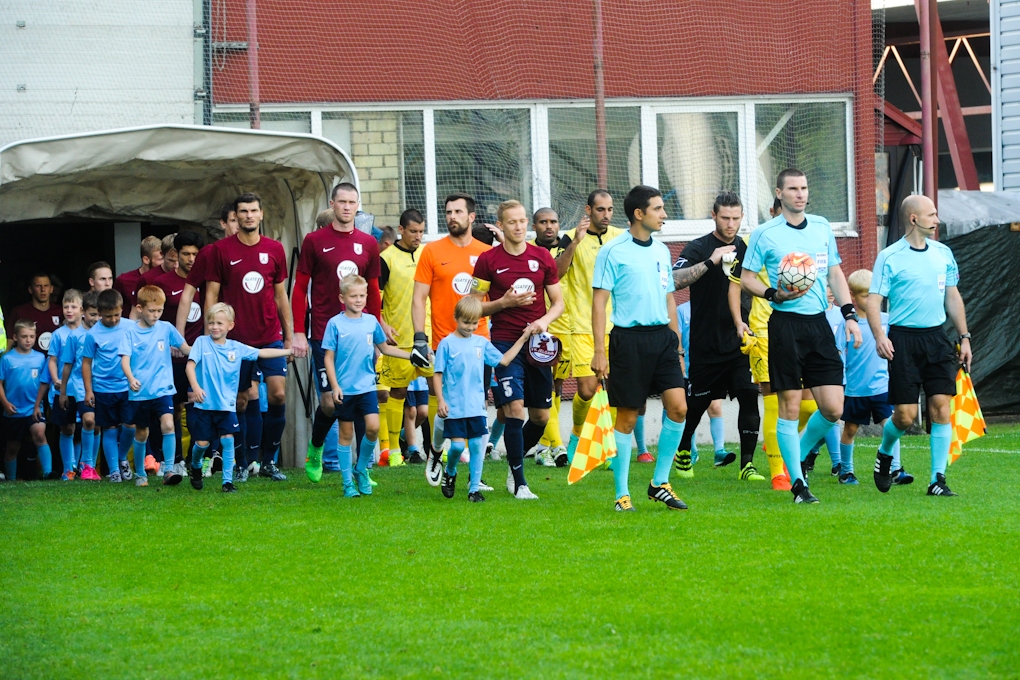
x,y
929,99
253,68
207,55
602,161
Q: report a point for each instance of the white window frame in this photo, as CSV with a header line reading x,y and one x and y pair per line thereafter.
x,y
541,180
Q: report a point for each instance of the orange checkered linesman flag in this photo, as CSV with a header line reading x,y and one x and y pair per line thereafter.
x,y
597,441
964,415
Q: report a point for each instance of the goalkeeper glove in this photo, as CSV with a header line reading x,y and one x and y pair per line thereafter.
x,y
420,353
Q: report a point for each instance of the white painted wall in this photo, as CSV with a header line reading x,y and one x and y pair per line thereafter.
x,y
84,66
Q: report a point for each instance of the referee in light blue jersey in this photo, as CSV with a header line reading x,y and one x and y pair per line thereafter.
x,y
918,275
644,358
802,349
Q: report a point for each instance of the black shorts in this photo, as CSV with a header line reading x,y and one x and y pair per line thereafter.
x,y
16,428
802,352
61,417
721,377
642,361
862,410
921,357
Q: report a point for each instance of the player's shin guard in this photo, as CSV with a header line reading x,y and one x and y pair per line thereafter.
x,y
940,440
366,454
273,425
817,428
772,453
789,447
124,441
748,422
140,459
67,451
890,437
551,437
477,448
247,450
807,407
111,448
513,438
46,459
669,440
580,413
228,448
453,457
621,464
532,435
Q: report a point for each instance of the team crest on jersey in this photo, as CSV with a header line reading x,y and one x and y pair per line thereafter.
x,y
161,346
478,352
474,260
533,265
368,336
357,249
56,320
264,258
35,373
231,356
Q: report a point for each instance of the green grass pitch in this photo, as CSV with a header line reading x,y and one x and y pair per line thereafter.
x,y
293,581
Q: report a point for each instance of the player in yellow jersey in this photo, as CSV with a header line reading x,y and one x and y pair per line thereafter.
x,y
396,281
547,235
755,335
576,264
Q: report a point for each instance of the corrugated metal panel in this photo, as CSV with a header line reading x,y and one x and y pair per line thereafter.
x,y
1006,30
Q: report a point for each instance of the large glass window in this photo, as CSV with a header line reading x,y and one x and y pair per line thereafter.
x,y
387,148
572,158
809,136
699,156
485,153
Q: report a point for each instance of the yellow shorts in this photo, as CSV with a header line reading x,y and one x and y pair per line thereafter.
x,y
759,357
582,351
563,367
398,373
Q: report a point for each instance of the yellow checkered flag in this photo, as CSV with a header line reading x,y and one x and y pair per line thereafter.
x,y
597,441
964,415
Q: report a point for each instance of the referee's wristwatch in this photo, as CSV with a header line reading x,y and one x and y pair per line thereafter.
x,y
964,336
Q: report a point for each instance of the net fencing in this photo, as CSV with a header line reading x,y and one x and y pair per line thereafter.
x,y
495,99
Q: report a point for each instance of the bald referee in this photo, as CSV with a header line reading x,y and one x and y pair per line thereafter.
x,y
636,272
919,276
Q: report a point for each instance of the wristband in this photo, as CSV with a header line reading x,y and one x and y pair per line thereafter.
x,y
770,294
709,264
848,312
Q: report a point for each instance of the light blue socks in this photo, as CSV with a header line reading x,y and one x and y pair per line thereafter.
x,y
453,457
639,435
46,459
718,428
890,436
111,448
941,438
476,447
669,440
344,454
227,453
621,464
816,430
67,451
789,447
846,458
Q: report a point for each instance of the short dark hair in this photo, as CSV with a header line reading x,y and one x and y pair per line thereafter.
x,y
39,275
109,300
343,186
468,200
542,211
389,235
98,265
481,233
595,194
225,212
90,300
410,215
638,198
188,238
726,199
247,197
789,172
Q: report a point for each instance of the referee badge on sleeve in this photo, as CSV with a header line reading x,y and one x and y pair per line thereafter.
x,y
544,349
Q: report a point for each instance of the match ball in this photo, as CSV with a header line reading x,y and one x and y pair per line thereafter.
x,y
797,272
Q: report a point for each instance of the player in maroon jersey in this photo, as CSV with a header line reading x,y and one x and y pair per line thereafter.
x,y
248,271
40,309
516,276
129,283
196,277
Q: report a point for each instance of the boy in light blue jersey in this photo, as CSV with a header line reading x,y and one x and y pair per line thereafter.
x,y
71,398
461,359
21,371
634,270
147,364
64,419
867,387
919,276
350,343
213,370
802,349
106,386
